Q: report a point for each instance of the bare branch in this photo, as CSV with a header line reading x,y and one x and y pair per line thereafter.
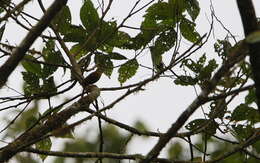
x,y
17,55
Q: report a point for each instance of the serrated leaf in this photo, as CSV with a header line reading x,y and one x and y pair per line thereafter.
x,y
62,20
127,70
44,145
30,66
253,37
89,16
2,29
193,8
188,31
116,56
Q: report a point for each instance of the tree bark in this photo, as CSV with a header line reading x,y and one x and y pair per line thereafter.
x,y
249,20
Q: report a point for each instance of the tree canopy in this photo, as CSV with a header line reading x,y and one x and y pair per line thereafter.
x,y
71,57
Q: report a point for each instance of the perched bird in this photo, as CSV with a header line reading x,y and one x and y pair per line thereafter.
x,y
93,77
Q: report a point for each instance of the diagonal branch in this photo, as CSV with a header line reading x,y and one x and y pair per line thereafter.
x,y
55,121
236,55
249,20
17,55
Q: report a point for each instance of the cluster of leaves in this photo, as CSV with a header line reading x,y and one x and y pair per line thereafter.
x,y
101,37
178,151
244,113
39,78
201,71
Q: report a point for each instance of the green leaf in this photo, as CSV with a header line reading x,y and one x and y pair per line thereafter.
x,y
176,7
166,40
148,32
30,66
256,146
77,49
30,121
2,29
193,8
75,34
107,32
62,20
127,70
205,72
175,151
195,66
140,126
245,112
121,40
49,85
253,37
44,145
185,80
188,31
210,129
195,124
51,56
158,11
218,109
163,43
31,83
89,16
156,55
116,56
250,97
243,131
105,63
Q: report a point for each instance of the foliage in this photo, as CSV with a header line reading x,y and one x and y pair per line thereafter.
x,y
166,45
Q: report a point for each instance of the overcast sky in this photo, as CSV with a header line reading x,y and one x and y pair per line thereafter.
x,y
161,103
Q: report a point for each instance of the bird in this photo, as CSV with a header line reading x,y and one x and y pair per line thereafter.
x,y
93,77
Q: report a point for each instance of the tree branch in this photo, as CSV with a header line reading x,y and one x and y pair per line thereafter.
x,y
17,55
53,122
249,20
99,155
237,54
